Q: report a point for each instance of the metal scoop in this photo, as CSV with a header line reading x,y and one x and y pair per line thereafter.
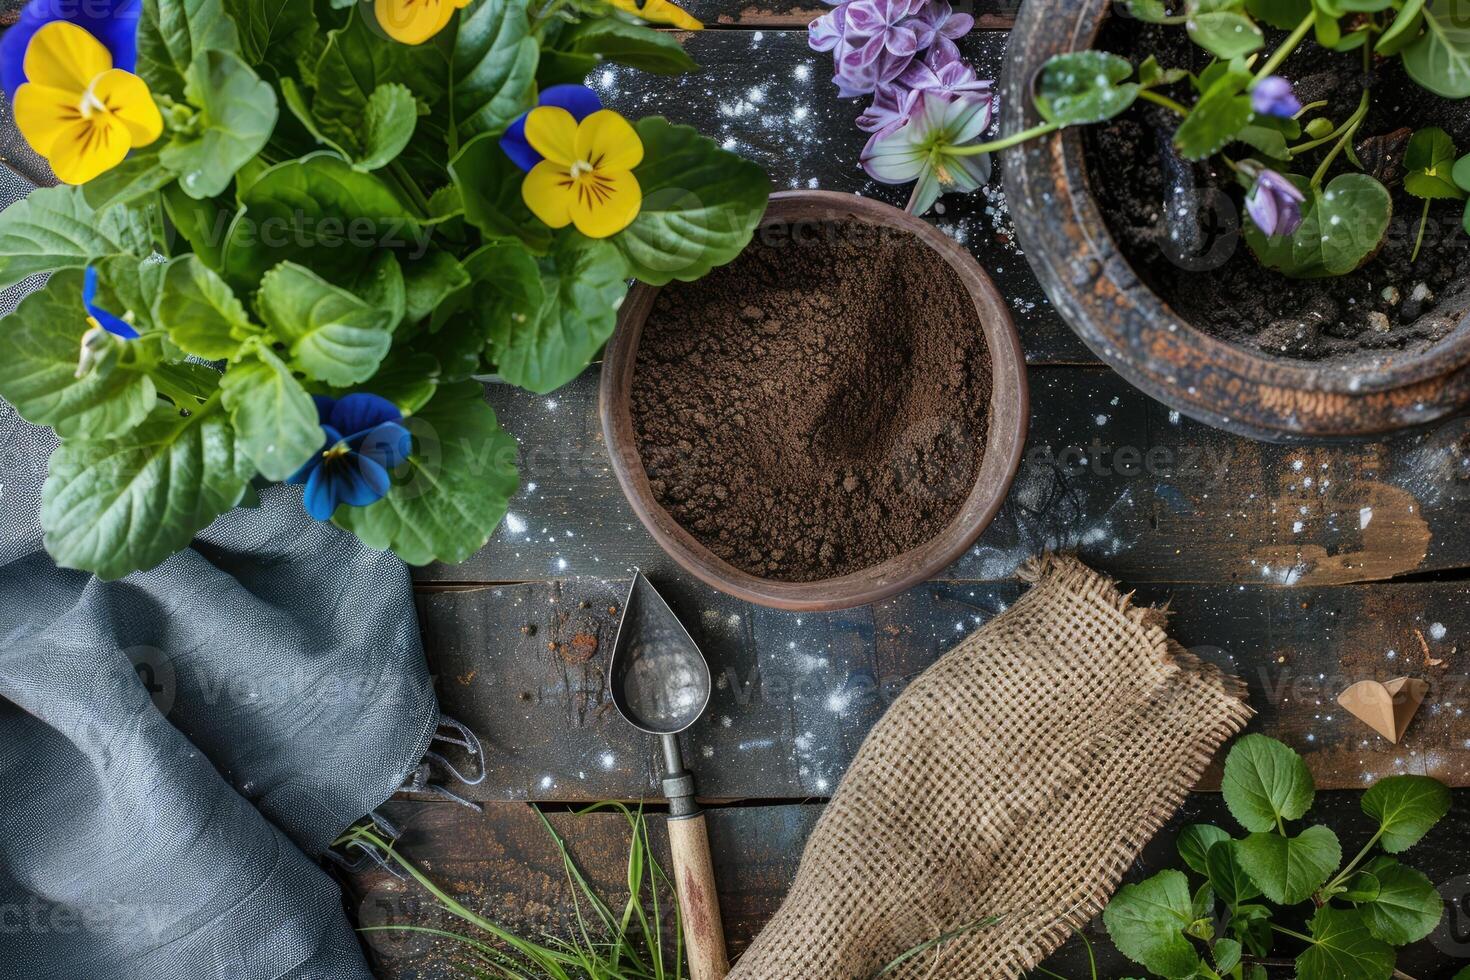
x,y
660,683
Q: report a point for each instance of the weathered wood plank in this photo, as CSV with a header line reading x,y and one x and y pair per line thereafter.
x,y
795,694
744,13
503,865
1138,491
769,97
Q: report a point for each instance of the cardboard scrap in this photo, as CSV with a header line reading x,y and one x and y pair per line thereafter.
x,y
1387,708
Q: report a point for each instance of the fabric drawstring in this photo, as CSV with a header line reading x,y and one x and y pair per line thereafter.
x,y
421,779
370,855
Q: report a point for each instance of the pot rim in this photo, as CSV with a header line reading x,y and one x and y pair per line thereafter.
x,y
1005,436
1137,332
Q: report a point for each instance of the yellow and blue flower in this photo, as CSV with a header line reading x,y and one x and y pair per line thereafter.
x,y
579,100
97,316
585,177
364,441
114,23
76,100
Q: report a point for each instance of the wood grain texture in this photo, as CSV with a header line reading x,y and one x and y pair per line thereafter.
x,y
693,871
767,96
503,865
1139,492
754,15
795,693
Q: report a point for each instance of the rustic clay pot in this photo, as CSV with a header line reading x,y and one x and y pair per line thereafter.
x,y
1092,285
787,215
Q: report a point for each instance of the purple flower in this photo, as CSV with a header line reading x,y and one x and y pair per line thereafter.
x,y
873,41
1275,204
112,22
922,148
940,18
1274,96
579,100
364,440
941,72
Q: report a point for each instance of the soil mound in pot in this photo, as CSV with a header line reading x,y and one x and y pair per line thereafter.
x,y
816,407
1391,307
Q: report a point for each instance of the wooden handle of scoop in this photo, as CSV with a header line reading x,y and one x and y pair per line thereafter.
x,y
699,903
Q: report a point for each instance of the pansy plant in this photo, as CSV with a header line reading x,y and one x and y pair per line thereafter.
x,y
289,236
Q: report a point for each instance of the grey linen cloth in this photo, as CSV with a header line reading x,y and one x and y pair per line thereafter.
x,y
179,748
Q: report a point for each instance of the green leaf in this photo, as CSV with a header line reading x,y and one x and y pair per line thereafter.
x,y
1265,782
51,229
1217,118
1406,807
1404,29
1252,926
1082,88
356,62
452,492
382,287
1146,922
1195,841
1227,877
1226,33
1407,907
492,68
204,225
172,33
700,205
136,177
1461,172
1150,11
1430,163
1227,954
1151,74
391,116
1440,59
1281,14
430,280
628,44
490,190
1342,227
1289,869
331,334
237,114
274,418
200,311
1267,140
115,506
38,374
1343,949
408,379
130,288
276,33
583,285
320,213
1361,887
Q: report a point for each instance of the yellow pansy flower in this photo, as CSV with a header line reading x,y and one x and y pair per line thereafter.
x,y
660,12
415,21
586,178
76,110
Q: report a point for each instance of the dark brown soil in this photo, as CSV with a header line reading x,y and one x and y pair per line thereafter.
x,y
817,406
1389,306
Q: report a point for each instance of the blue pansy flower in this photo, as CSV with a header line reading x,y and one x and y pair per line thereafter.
x,y
1274,96
110,322
364,441
579,100
112,22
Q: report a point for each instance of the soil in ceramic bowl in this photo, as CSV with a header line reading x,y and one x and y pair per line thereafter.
x,y
816,407
1389,308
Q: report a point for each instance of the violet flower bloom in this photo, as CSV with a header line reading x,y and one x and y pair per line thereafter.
x,y
940,18
942,71
921,149
1275,204
1274,96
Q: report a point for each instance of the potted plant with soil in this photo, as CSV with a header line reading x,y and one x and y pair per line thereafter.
x,y
1287,270
284,237
1265,232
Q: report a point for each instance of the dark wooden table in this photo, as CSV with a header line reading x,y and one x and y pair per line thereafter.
x,y
1300,569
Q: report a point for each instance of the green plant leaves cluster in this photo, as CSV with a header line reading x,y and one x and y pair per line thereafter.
x,y
1358,912
333,214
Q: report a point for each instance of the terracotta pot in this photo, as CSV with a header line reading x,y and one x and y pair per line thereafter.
x,y
1009,415
1096,291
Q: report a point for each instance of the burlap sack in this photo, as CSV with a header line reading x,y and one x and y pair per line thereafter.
x,y
1019,777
